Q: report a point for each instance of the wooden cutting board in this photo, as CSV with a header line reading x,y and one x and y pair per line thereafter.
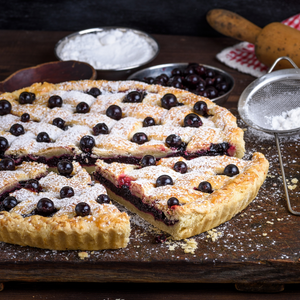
x,y
259,245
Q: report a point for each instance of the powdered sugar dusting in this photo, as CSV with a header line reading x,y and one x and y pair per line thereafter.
x,y
286,121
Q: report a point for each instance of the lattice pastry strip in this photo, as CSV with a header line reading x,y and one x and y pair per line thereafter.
x,y
60,212
185,197
36,112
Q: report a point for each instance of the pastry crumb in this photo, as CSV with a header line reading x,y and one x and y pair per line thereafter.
x,y
83,255
264,234
213,234
190,246
292,187
172,247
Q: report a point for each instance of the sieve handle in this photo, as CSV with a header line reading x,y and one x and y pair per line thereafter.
x,y
281,58
284,180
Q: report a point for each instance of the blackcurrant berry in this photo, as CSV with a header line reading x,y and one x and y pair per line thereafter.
x,y
32,185
17,129
87,143
5,107
205,187
148,160
43,137
173,141
201,70
212,92
200,108
7,164
103,199
114,112
25,117
176,72
192,79
192,120
148,121
9,203
45,207
163,180
3,144
231,170
66,192
58,122
218,79
55,101
133,97
222,86
210,73
100,128
82,209
168,101
149,80
172,201
139,138
26,98
95,92
65,167
82,108
180,167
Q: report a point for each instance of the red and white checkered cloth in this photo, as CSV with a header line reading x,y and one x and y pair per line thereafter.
x,y
242,56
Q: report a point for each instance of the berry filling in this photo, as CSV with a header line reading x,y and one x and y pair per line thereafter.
x,y
124,192
88,159
124,180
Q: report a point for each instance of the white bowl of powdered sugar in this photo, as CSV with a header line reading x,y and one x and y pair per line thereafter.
x,y
114,52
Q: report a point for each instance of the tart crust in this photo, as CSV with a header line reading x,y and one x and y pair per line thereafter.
x,y
105,228
198,211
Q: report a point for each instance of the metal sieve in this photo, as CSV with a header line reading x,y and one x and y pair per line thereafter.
x,y
267,97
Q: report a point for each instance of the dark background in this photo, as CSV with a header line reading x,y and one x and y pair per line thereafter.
x,y
178,17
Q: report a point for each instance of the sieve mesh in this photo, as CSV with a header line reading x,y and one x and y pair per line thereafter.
x,y
272,100
267,97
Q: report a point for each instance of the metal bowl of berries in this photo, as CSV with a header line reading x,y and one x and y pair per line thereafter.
x,y
200,79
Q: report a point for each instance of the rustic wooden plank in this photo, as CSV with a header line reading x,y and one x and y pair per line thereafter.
x,y
132,291
259,245
259,287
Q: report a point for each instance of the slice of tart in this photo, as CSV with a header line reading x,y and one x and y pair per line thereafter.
x,y
61,211
114,121
13,177
185,197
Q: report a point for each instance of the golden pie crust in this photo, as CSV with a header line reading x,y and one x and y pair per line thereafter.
x,y
104,228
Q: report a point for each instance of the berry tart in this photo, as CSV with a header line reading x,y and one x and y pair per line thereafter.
x,y
113,121
59,211
171,156
185,197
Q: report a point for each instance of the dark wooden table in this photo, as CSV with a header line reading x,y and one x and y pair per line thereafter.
x,y
22,49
